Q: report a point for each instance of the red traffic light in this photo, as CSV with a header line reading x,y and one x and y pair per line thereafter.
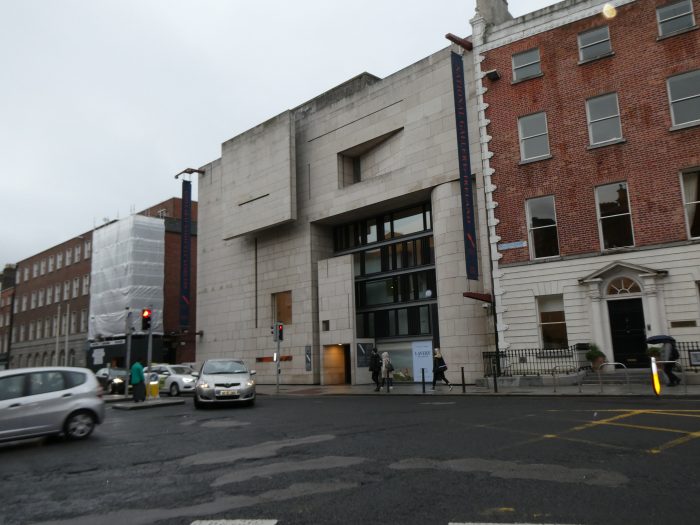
x,y
146,313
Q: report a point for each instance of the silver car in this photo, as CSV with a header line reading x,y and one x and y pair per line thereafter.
x,y
49,401
224,381
174,379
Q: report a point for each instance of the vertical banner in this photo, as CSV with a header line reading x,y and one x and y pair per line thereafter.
x,y
185,254
465,170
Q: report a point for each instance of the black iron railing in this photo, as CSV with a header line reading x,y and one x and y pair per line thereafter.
x,y
535,361
689,355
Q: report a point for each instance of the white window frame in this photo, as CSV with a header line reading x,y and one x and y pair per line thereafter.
x,y
522,139
530,229
73,322
86,284
57,293
69,257
591,122
691,13
24,303
582,47
26,274
76,287
686,203
35,270
88,248
600,219
42,267
40,298
50,263
671,101
32,301
515,68
59,261
83,320
66,290
49,295
76,253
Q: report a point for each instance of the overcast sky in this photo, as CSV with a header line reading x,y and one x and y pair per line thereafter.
x,y
102,102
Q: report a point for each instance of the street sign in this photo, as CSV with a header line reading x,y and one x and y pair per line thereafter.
x,y
110,342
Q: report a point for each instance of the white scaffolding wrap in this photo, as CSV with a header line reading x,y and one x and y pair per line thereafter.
x,y
127,271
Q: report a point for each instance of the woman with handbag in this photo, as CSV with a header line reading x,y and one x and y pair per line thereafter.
x,y
387,371
439,367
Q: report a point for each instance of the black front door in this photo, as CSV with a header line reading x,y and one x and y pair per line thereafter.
x,y
627,331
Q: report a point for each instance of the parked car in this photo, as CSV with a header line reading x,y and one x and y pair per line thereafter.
x,y
113,380
224,381
174,379
49,401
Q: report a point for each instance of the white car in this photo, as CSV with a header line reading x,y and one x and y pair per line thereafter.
x,y
174,379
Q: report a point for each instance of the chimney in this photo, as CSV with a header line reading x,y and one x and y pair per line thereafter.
x,y
494,12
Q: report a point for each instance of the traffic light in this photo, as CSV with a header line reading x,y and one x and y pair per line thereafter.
x,y
146,316
280,331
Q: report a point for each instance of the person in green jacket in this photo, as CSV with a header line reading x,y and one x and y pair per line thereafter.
x,y
138,382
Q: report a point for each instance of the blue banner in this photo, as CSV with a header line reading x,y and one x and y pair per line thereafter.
x,y
185,254
465,170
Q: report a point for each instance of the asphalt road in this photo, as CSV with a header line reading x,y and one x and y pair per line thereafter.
x,y
372,459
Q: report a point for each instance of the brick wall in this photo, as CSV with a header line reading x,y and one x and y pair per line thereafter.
x,y
649,160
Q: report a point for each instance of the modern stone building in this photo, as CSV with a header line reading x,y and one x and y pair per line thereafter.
x,y
592,120
342,219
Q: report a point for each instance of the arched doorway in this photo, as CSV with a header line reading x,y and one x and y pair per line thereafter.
x,y
627,325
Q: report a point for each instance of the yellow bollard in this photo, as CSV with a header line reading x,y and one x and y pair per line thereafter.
x,y
655,377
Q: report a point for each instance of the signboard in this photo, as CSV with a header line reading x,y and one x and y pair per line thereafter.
x,y
512,245
111,342
363,352
422,359
98,356
465,170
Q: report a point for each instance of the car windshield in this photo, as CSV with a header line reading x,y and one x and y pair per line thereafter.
x,y
224,367
181,370
117,372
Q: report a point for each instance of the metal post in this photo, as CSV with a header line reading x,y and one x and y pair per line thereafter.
x,y
422,378
67,328
495,373
387,381
128,351
149,355
464,386
58,334
277,364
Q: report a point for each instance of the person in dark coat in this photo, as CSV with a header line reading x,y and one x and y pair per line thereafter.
x,y
670,353
138,382
375,366
439,367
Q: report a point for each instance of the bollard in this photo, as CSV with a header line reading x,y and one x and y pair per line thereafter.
x,y
422,378
388,388
464,386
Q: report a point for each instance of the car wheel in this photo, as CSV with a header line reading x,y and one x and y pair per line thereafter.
x,y
174,390
79,425
197,402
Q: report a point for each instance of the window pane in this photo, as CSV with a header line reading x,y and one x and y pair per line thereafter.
x,y
424,320
552,317
403,321
541,211
686,110
419,251
373,261
44,382
605,130
527,71
536,147
693,219
596,50
11,387
392,322
691,188
546,242
371,230
685,85
601,107
360,325
594,36
380,292
675,9
357,262
554,336
533,55
617,231
533,125
408,221
400,255
676,24
612,199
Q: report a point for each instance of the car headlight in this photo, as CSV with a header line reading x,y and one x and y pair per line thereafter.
x,y
203,384
250,382
117,380
187,380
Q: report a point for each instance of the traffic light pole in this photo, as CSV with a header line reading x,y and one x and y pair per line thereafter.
x,y
128,351
147,379
277,366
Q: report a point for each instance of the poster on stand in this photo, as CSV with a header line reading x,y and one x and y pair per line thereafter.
x,y
422,358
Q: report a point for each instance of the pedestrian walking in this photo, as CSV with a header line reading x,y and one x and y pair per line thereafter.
x,y
375,366
670,354
138,382
439,367
387,371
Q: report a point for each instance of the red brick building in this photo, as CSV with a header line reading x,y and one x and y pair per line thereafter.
x,y
7,294
593,119
50,316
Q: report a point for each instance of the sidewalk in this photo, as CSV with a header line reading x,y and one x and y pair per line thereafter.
x,y
413,389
